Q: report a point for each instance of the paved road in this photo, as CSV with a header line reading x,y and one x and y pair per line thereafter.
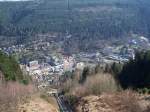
x,y
63,107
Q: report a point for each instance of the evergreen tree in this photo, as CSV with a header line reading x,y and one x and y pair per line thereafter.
x,y
136,73
85,73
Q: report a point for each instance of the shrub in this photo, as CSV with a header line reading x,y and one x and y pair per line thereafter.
x,y
13,93
25,81
85,73
100,83
71,99
67,86
143,90
10,68
95,84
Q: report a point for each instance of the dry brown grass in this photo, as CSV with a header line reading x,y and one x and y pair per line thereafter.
x,y
101,93
101,83
13,93
125,101
130,101
95,84
38,103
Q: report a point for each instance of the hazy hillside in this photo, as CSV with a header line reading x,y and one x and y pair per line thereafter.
x,y
86,20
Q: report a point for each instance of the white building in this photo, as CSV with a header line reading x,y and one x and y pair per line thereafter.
x,y
68,63
80,65
33,65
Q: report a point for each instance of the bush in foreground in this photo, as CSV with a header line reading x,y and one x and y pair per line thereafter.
x,y
100,83
94,84
11,69
12,94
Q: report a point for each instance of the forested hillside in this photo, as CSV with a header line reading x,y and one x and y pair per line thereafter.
x,y
11,69
84,19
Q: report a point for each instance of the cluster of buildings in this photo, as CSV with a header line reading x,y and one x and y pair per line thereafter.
x,y
13,49
117,54
50,73
53,66
123,53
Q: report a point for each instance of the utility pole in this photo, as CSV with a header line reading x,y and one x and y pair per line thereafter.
x,y
68,8
68,4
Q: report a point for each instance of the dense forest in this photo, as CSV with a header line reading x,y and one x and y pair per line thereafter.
x,y
11,69
133,74
136,73
85,20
